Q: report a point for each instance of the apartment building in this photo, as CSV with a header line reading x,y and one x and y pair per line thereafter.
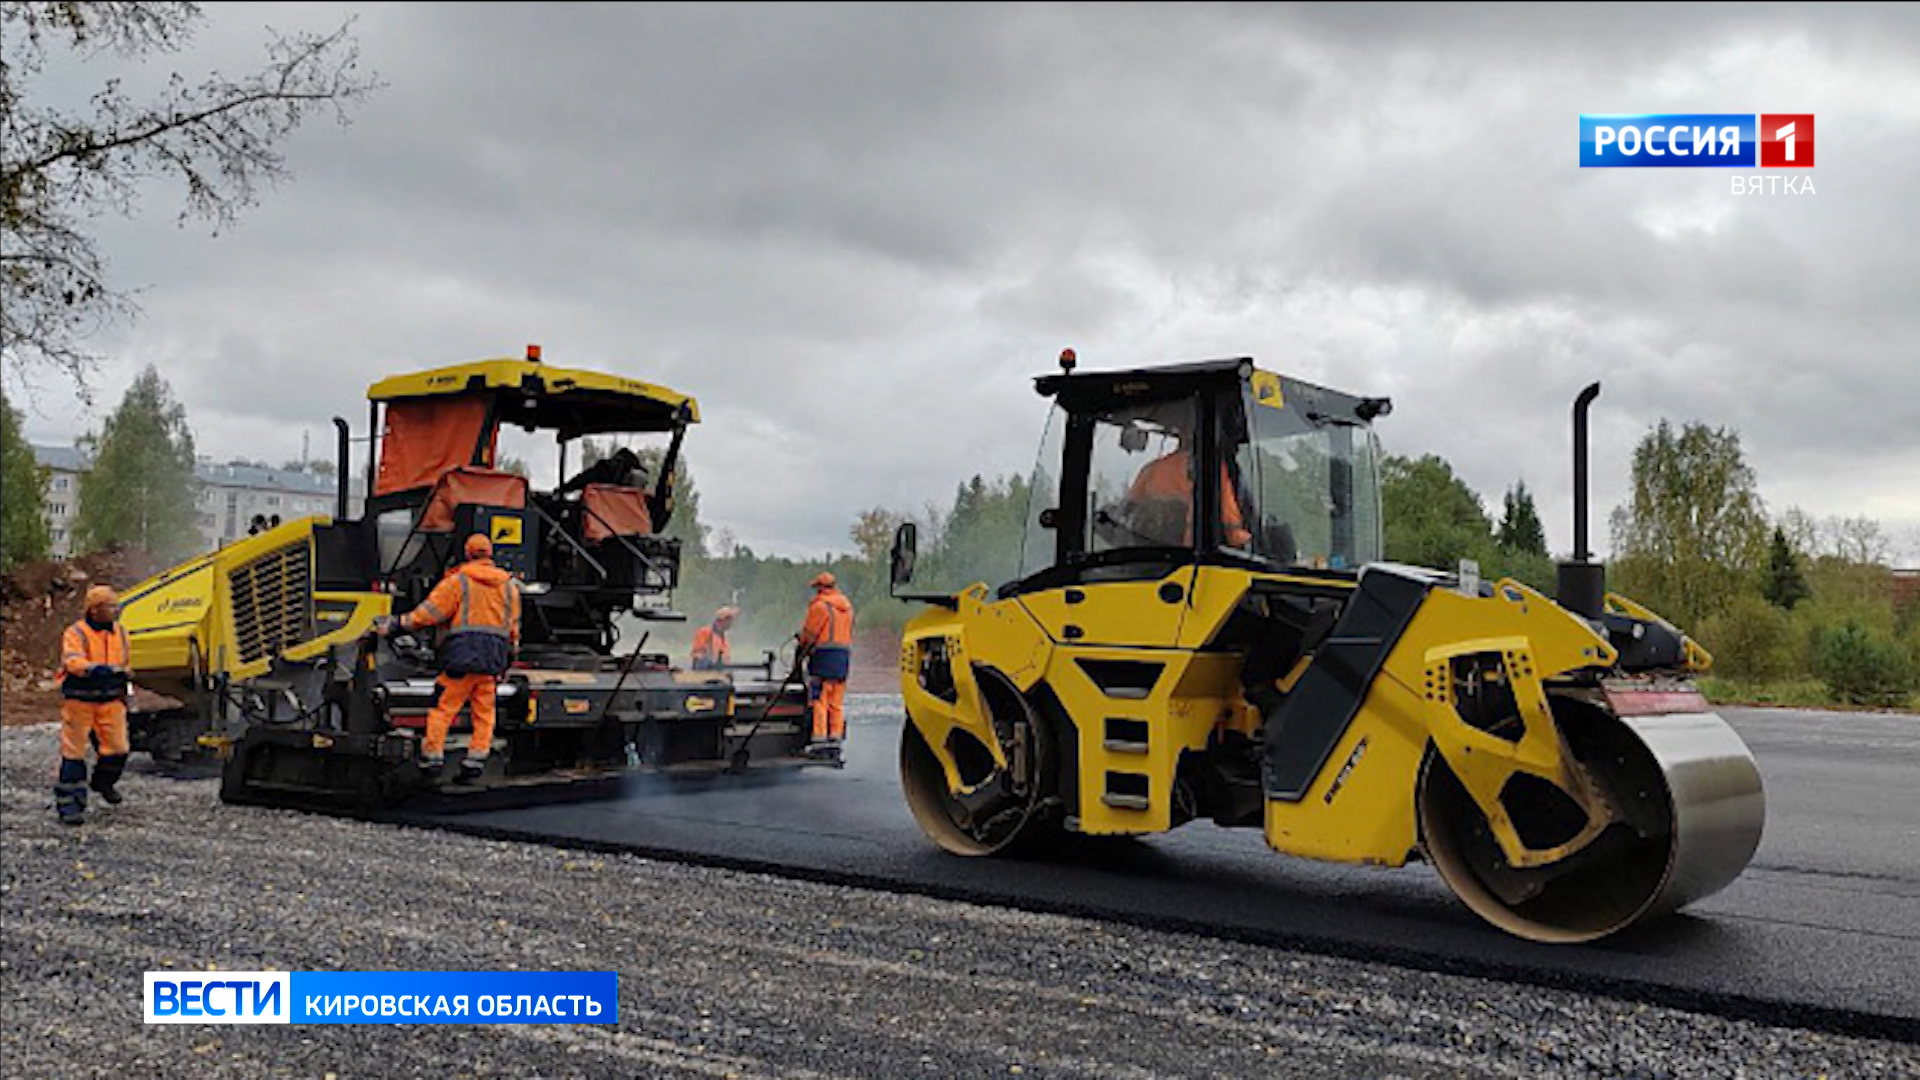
x,y
227,498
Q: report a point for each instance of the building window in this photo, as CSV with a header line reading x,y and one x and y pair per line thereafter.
x,y
273,500
58,509
60,483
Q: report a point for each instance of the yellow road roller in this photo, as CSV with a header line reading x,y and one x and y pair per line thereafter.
x,y
1203,627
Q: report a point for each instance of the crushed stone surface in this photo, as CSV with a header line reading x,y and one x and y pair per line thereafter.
x,y
725,974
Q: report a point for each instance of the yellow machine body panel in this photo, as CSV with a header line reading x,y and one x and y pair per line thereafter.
x,y
1362,811
170,620
1144,614
1135,710
1130,745
1115,659
998,635
231,612
1359,809
514,374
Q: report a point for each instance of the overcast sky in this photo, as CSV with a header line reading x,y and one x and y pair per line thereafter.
x,y
855,234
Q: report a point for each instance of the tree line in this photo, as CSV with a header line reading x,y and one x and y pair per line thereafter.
x,y
1790,604
1796,609
140,491
1793,607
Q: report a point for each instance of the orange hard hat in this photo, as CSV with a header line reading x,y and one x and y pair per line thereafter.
x,y
101,594
822,580
478,546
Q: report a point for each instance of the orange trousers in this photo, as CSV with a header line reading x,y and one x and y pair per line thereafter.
x,y
106,720
477,693
829,699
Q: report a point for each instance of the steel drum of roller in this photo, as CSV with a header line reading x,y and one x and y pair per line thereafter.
x,y
1689,810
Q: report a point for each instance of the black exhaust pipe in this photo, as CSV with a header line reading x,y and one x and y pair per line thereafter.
x,y
1583,582
340,474
1581,552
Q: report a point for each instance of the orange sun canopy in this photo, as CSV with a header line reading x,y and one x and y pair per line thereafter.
x,y
425,439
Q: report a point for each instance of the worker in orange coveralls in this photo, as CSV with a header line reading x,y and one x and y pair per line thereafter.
x,y
710,648
826,643
479,604
1169,479
94,676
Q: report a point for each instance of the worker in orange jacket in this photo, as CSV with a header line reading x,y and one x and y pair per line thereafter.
x,y
479,604
1170,479
94,677
826,644
710,648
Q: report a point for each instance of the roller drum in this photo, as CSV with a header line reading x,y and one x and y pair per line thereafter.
x,y
1719,807
1689,813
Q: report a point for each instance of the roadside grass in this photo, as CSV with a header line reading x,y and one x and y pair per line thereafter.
x,y
1787,693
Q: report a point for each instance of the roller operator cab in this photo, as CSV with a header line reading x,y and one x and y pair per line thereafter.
x,y
1203,627
266,643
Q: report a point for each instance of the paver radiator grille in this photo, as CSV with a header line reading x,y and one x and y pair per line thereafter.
x,y
273,602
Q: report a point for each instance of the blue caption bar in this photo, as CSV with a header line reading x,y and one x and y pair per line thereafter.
x,y
455,997
1668,140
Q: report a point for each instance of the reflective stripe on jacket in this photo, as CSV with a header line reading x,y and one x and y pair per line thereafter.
x,y
476,598
82,648
829,620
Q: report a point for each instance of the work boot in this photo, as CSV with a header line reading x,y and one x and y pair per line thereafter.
x,y
823,751
472,769
106,774
70,792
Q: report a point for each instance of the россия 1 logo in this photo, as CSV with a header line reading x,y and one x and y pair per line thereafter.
x,y
1696,140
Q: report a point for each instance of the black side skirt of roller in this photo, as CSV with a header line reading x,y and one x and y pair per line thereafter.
x,y
1301,735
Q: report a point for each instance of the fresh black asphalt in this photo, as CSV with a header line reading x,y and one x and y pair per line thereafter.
x,y
1822,931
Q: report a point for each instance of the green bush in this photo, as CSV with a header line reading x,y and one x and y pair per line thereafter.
x,y
1822,616
1753,640
1865,666
1791,693
1534,570
1908,623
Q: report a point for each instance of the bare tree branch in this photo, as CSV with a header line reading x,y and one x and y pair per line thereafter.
x,y
219,139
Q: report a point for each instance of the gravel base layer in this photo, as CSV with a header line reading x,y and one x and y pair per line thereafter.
x,y
725,974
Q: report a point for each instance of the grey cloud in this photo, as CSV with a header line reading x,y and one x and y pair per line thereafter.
x,y
856,231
